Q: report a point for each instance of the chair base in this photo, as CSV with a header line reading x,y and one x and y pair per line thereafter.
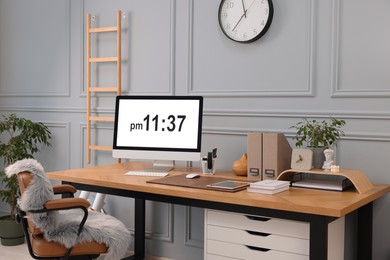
x,y
83,257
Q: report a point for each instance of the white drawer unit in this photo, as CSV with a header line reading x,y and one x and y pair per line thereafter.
x,y
239,251
218,257
230,236
258,223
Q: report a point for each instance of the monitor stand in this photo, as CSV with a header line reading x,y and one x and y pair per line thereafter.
x,y
161,166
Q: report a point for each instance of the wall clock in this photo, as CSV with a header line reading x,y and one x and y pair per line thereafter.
x,y
245,21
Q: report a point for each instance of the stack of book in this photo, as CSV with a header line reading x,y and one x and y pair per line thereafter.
x,y
269,186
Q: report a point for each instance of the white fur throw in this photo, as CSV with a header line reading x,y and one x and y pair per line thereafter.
x,y
61,226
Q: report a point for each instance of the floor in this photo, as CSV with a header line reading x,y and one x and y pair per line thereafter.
x,y
21,253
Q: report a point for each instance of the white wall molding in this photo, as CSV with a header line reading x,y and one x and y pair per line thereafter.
x,y
360,115
47,155
67,126
33,91
168,236
189,240
302,90
126,64
338,90
82,22
350,135
35,109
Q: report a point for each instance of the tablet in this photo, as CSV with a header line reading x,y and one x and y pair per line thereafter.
x,y
229,185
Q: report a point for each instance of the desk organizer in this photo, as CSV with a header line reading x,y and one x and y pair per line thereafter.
x,y
358,178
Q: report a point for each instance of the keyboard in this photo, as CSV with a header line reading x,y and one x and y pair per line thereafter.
x,y
147,173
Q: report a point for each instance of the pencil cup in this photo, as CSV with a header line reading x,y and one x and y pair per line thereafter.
x,y
205,166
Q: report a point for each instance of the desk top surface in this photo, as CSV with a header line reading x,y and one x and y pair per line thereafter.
x,y
310,201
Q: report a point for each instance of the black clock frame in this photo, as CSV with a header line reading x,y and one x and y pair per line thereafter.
x,y
261,34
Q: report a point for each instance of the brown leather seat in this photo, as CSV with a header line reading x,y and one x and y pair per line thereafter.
x,y
43,248
39,247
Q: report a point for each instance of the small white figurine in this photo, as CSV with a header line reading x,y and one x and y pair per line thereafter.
x,y
328,159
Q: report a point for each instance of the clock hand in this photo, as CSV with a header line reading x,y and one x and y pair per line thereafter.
x,y
250,6
243,7
242,16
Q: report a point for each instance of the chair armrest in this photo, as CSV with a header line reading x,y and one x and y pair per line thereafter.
x,y
64,188
67,203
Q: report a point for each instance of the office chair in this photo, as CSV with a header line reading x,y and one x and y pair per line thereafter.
x,y
81,236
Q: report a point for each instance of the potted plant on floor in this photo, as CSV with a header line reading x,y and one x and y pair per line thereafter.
x,y
318,136
20,138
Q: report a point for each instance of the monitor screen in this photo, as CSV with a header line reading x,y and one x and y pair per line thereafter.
x,y
158,127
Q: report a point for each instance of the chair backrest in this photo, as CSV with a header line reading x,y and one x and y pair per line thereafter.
x,y
24,179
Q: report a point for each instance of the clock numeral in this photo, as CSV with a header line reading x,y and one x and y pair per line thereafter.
x,y
244,36
263,23
255,32
173,125
229,5
146,119
228,26
172,118
266,11
182,117
155,121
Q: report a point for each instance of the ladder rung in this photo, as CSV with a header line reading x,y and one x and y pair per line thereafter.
x,y
104,59
103,29
104,89
101,118
100,148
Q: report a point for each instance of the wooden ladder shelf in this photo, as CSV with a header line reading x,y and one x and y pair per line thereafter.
x,y
98,89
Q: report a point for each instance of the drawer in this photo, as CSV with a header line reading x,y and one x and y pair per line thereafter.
x,y
218,257
258,239
244,252
274,226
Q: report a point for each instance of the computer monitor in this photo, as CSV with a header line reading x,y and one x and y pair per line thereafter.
x,y
159,128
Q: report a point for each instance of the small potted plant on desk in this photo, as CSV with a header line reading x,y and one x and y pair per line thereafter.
x,y
19,140
318,136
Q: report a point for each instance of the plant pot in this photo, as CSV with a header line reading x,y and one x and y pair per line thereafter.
x,y
11,232
318,157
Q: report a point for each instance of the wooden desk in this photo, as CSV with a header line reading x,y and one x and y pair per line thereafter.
x,y
316,207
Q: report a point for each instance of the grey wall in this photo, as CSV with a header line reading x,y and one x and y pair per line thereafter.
x,y
319,59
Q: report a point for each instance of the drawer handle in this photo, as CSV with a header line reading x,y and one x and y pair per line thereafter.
x,y
258,248
257,218
255,233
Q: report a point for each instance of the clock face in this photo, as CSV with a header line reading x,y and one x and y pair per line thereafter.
x,y
245,20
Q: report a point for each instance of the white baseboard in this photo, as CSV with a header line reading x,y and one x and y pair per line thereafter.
x,y
147,257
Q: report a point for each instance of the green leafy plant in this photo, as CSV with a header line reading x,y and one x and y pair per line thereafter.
x,y
315,133
19,139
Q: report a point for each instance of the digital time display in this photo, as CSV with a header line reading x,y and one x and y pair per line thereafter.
x,y
158,123
154,124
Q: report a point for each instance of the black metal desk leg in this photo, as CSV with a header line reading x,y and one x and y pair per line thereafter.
x,y
364,242
139,229
318,238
